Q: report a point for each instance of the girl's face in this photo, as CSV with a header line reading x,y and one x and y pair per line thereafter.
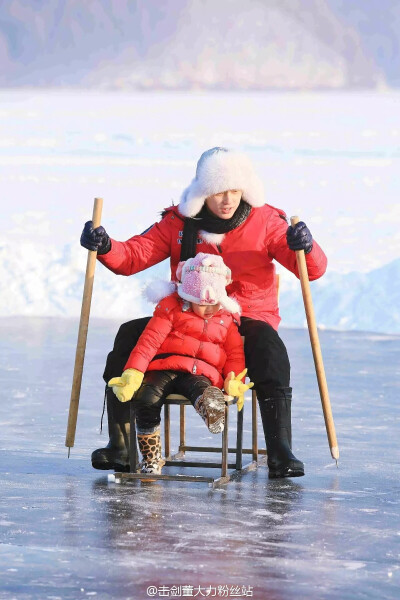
x,y
205,311
224,204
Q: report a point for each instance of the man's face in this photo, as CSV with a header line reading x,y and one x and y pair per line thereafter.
x,y
224,204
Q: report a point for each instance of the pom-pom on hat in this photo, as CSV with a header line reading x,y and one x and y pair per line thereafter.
x,y
219,170
203,281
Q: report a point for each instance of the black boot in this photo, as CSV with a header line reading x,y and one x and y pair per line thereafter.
x,y
276,419
116,454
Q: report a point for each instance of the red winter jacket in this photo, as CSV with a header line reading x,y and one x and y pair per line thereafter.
x,y
248,250
211,347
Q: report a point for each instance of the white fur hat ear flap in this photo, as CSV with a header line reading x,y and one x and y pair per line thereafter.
x,y
192,200
219,170
159,289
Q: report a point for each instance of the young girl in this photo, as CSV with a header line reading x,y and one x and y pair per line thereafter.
x,y
192,346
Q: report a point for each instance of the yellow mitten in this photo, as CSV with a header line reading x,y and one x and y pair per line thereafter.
x,y
233,386
125,386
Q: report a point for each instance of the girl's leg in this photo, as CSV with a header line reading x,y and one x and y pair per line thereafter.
x,y
148,403
191,386
149,399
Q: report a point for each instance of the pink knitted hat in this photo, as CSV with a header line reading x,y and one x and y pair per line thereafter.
x,y
203,281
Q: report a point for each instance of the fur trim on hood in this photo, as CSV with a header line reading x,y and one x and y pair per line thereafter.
x,y
159,289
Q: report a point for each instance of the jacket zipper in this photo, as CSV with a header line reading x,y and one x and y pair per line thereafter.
x,y
194,368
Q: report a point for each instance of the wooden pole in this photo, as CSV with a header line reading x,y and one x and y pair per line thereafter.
x,y
82,333
316,349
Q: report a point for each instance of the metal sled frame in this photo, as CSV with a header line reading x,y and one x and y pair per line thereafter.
x,y
178,459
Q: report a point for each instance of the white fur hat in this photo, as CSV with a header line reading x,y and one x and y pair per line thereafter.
x,y
218,170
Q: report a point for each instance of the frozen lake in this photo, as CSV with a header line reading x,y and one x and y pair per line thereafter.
x,y
67,534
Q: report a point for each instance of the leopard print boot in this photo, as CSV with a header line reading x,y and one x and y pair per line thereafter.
x,y
211,407
150,448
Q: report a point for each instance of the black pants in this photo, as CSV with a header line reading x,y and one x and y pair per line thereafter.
x,y
266,356
155,388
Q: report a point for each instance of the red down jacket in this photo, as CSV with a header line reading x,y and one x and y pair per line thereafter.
x,y
211,347
248,250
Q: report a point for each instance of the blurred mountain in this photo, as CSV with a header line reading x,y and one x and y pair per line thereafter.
x,y
200,44
352,301
37,279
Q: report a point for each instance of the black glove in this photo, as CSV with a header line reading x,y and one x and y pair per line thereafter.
x,y
95,239
299,237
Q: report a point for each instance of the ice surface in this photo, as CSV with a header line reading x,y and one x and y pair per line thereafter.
x,y
67,533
